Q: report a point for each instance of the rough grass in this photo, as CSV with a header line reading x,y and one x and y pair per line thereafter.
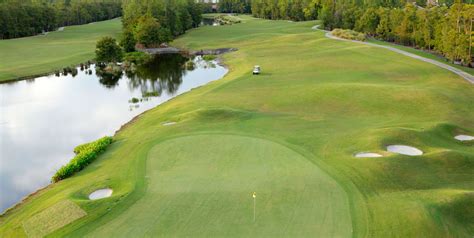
x,y
322,98
44,54
53,218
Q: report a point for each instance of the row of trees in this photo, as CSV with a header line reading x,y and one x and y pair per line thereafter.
x,y
445,29
150,23
234,6
20,18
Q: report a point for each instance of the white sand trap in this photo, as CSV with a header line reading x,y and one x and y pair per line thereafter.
x,y
169,123
101,193
61,29
464,137
404,150
367,155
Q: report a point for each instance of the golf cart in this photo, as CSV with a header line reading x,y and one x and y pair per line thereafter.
x,y
256,69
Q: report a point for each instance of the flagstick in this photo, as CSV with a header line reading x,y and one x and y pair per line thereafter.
x,y
254,205
254,210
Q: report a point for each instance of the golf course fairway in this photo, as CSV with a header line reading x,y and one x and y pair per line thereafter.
x,y
189,167
43,54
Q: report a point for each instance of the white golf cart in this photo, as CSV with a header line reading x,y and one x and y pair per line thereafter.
x,y
256,69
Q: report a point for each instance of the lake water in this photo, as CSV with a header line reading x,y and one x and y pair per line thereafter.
x,y
42,120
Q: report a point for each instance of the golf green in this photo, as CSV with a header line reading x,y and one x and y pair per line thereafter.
x,y
206,182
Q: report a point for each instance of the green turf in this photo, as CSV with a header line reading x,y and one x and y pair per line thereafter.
x,y
424,54
42,54
52,218
319,98
201,186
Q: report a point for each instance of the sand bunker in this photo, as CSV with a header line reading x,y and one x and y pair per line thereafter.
x,y
464,137
169,123
367,155
404,150
101,193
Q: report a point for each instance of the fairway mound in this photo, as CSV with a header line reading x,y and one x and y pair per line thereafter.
x,y
464,138
101,193
367,155
404,150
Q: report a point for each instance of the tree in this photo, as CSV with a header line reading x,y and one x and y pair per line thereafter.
x,y
368,22
150,33
107,50
128,41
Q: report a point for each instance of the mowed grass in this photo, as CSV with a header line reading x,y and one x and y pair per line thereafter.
x,y
52,219
317,102
202,185
424,54
42,54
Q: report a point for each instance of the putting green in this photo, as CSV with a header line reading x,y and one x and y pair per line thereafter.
x,y
201,186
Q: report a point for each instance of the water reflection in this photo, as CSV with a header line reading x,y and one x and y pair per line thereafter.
x,y
43,119
164,72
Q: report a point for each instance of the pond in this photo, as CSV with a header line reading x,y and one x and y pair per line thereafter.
x,y
209,22
43,119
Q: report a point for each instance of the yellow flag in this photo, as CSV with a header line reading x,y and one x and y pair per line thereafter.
x,y
254,195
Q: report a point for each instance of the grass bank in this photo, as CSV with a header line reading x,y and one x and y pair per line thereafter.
x,y
43,54
289,134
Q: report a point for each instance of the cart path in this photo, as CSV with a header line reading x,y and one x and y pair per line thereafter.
x,y
457,71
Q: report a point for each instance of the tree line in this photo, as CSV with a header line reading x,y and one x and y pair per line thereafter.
x,y
445,28
20,18
149,23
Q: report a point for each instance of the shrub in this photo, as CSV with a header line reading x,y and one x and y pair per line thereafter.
x,y
85,154
137,58
348,34
107,50
134,100
209,57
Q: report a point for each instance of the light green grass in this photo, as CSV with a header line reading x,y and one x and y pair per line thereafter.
x,y
52,218
201,186
319,98
424,54
42,54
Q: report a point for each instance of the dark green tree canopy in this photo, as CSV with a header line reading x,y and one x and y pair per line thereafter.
x,y
107,50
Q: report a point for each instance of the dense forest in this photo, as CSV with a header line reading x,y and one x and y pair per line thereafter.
x,y
150,23
20,18
235,6
443,27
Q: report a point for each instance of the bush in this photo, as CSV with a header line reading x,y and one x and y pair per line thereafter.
x,y
85,154
348,34
226,20
209,57
107,50
137,58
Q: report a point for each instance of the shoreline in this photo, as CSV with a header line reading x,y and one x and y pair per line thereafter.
x,y
26,198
